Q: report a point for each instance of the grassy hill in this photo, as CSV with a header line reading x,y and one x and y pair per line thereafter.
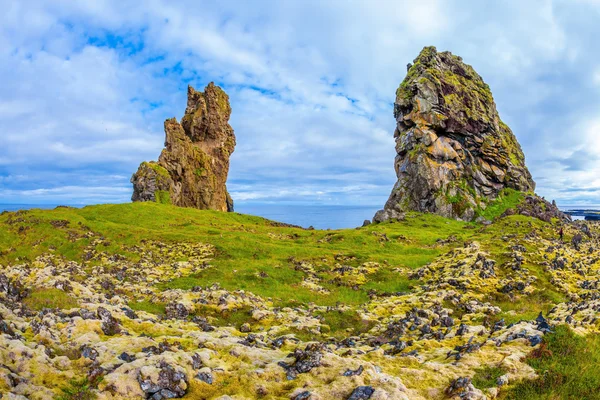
x,y
371,297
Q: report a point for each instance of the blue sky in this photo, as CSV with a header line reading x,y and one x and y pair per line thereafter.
x,y
85,88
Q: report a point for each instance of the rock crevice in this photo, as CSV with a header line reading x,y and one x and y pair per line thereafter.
x,y
192,168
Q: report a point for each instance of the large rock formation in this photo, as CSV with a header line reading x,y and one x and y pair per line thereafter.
x,y
454,154
192,168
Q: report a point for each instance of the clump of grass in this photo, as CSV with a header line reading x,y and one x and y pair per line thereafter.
x,y
235,318
42,298
508,198
566,364
78,389
487,377
156,308
345,323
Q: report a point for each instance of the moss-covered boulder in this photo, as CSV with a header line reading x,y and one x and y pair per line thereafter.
x,y
454,154
192,168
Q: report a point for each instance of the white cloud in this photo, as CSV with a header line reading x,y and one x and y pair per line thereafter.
x,y
311,85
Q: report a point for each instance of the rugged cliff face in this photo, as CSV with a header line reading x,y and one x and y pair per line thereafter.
x,y
454,154
192,168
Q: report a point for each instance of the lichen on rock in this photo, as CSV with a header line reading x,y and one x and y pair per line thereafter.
x,y
454,154
192,168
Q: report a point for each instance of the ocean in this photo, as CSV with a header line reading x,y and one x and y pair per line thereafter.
x,y
318,216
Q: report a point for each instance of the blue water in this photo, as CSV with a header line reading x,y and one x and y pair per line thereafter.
x,y
17,207
318,216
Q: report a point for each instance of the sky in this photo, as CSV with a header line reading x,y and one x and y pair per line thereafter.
x,y
86,86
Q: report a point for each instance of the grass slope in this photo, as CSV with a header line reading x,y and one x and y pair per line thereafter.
x,y
259,256
255,254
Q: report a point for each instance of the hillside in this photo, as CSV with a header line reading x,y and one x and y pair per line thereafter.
x,y
147,300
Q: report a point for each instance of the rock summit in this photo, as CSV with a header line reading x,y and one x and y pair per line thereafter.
x,y
192,168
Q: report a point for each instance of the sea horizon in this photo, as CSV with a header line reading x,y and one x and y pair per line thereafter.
x,y
319,216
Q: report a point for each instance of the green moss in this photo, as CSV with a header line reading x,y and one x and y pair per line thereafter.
x,y
200,171
162,197
566,364
42,298
511,145
160,170
416,150
466,95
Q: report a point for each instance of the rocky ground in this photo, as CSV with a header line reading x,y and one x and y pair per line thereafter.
x,y
106,323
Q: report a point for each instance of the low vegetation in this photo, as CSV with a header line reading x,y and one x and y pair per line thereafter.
x,y
253,292
567,367
42,298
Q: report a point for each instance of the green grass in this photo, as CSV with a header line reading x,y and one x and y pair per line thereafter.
x,y
345,323
487,377
567,365
247,257
38,299
162,197
253,254
148,306
78,389
508,198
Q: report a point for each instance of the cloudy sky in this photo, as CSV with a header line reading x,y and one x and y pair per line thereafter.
x,y
85,88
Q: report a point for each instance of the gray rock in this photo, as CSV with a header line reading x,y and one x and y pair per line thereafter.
x,y
453,151
110,326
387,215
169,385
362,393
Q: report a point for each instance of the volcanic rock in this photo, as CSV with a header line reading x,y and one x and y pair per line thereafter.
x,y
192,168
454,154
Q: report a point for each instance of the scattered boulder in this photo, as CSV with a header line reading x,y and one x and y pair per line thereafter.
x,y
388,215
462,388
176,311
305,395
169,384
538,207
110,326
305,360
205,376
350,372
362,393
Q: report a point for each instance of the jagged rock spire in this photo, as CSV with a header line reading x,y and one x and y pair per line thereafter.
x,y
192,168
454,154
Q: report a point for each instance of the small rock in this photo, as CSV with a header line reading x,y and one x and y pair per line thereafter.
x,y
502,380
126,357
362,393
110,326
176,311
205,377
357,371
306,395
